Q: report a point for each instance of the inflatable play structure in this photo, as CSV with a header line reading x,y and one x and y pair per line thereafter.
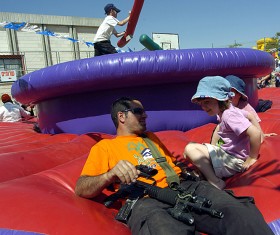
x,y
39,170
131,25
163,80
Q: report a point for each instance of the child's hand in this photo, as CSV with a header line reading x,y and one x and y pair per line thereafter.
x,y
269,134
248,163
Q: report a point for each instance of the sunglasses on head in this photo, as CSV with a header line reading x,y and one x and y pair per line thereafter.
x,y
138,111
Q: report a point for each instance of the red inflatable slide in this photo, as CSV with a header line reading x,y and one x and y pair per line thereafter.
x,y
38,173
135,12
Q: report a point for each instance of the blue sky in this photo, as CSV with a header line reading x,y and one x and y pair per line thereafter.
x,y
199,23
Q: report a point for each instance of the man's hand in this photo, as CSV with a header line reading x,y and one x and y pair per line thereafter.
x,y
124,171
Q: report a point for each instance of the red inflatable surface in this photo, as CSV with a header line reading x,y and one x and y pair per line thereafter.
x,y
38,174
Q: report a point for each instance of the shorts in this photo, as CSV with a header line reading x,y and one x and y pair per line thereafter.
x,y
104,48
224,164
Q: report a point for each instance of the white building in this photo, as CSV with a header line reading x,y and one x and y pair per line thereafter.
x,y
23,52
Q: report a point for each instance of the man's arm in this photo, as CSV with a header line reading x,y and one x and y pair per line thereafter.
x,y
24,114
91,186
123,22
118,34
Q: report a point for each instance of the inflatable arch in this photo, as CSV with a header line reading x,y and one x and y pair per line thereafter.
x,y
131,25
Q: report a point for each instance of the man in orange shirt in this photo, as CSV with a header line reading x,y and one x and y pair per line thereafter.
x,y
111,161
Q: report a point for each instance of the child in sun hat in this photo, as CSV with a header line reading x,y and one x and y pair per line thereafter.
x,y
241,139
240,100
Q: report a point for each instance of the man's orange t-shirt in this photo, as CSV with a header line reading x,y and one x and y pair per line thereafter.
x,y
105,155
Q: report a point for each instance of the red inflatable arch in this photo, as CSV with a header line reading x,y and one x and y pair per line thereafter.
x,y
134,15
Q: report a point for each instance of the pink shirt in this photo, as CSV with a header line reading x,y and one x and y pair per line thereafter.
x,y
233,125
246,106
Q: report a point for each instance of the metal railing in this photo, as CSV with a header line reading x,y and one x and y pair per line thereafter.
x,y
28,61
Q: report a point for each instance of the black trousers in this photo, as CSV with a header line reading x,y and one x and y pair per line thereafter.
x,y
149,216
104,48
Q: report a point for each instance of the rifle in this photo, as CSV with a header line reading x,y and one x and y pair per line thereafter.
x,y
183,201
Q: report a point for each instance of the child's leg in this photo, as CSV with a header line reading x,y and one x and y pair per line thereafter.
x,y
198,154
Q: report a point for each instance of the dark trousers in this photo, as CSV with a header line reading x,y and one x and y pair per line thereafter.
x,y
104,48
149,216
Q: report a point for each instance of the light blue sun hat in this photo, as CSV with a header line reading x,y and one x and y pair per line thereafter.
x,y
237,84
216,87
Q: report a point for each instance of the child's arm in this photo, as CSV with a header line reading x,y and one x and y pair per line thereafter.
x,y
215,137
255,142
254,121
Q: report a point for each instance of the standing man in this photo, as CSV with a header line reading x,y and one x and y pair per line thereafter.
x,y
102,43
11,112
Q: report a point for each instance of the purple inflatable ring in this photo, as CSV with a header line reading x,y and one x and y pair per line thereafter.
x,y
75,96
